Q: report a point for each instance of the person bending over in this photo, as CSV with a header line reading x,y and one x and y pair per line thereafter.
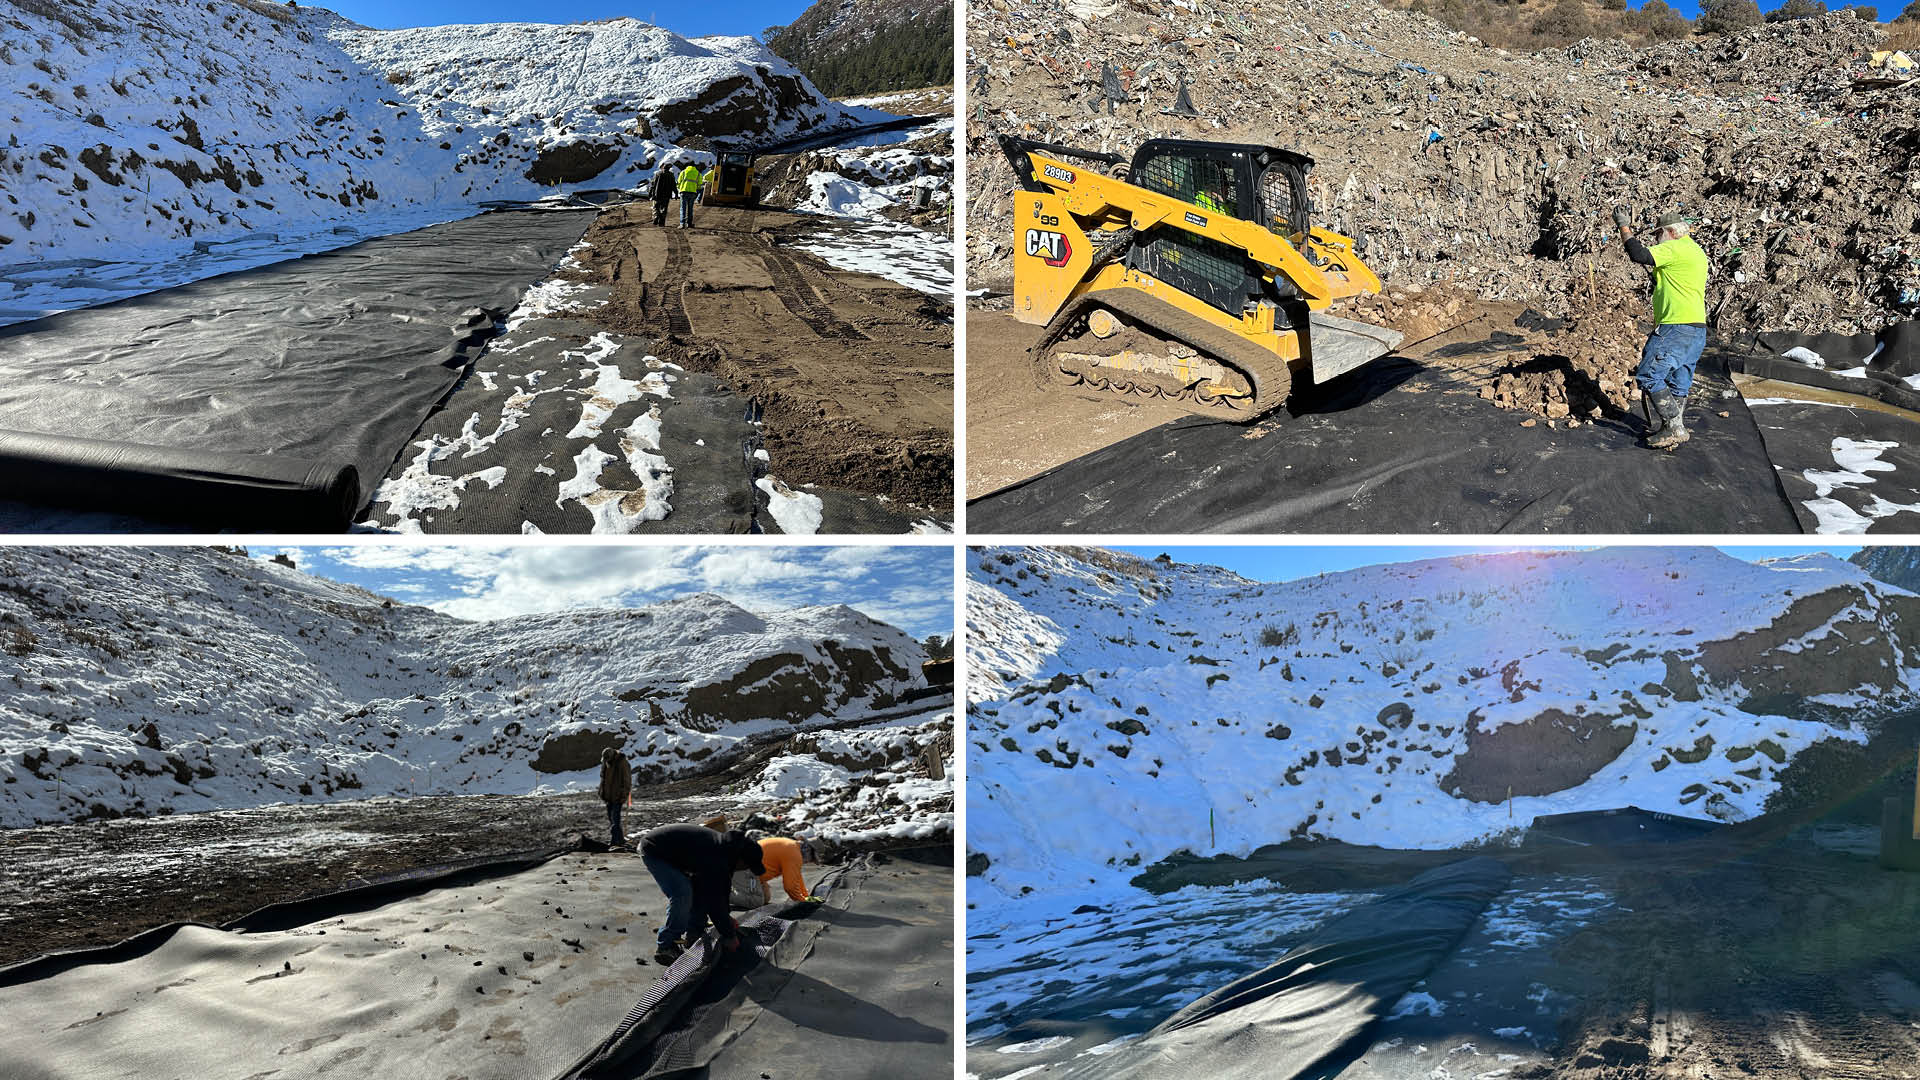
x,y
783,857
692,865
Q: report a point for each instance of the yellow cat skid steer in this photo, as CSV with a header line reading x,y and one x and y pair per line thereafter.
x,y
732,182
1190,274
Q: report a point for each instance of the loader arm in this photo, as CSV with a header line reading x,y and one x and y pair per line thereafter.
x,y
1110,203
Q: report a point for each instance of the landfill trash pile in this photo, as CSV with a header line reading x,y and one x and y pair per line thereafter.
x,y
1493,172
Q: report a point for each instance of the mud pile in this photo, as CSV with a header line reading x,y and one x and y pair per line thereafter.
x,y
1575,368
1488,171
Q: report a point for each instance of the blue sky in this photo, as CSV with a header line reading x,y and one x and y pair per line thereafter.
x,y
1261,563
687,20
910,587
1691,8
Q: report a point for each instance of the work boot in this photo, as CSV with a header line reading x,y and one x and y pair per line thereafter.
x,y
1673,425
1651,414
667,954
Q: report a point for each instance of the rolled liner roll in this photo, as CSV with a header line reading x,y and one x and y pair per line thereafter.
x,y
251,491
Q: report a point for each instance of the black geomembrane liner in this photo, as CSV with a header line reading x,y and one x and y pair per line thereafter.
x,y
1393,447
1323,998
264,397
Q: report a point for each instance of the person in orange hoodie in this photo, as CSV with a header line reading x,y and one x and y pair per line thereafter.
x,y
781,857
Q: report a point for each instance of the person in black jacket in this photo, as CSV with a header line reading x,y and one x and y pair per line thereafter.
x,y
662,192
616,785
693,865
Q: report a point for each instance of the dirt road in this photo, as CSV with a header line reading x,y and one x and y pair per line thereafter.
x,y
93,883
1015,427
853,374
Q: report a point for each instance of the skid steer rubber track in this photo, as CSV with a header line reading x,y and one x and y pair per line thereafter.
x,y
1268,375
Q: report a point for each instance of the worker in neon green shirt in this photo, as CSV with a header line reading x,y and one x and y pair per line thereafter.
x,y
1679,335
689,185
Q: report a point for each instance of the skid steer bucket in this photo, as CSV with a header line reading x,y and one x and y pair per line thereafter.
x,y
1336,346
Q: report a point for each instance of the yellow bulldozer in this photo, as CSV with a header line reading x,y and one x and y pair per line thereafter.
x,y
1191,273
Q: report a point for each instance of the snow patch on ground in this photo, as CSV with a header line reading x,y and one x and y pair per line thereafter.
x,y
1855,459
797,513
902,254
794,774
867,785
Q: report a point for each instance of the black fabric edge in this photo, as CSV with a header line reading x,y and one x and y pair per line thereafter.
x,y
650,1020
276,492
286,914
1874,386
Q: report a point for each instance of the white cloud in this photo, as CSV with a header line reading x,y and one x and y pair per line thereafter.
x,y
908,587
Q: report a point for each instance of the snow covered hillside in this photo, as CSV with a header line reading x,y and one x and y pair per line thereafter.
x,y
1121,710
136,131
140,680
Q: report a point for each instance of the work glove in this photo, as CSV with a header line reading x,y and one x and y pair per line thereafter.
x,y
1621,219
814,900
731,942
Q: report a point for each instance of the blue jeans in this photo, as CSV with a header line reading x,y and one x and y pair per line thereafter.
x,y
1667,361
613,819
686,209
679,890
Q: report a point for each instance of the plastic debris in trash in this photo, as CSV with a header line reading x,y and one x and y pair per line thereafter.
x,y
1183,104
1895,61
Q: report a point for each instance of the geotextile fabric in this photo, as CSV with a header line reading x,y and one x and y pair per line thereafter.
x,y
1882,362
250,398
503,969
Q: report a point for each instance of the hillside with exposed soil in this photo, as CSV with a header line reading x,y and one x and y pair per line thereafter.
x,y
1417,705
869,47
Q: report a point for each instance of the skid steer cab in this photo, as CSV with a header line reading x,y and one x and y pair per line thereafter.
x,y
732,182
1191,273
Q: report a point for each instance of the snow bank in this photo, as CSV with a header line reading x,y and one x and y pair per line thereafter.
x,y
865,786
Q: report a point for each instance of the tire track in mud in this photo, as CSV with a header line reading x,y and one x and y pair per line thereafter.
x,y
793,292
672,280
